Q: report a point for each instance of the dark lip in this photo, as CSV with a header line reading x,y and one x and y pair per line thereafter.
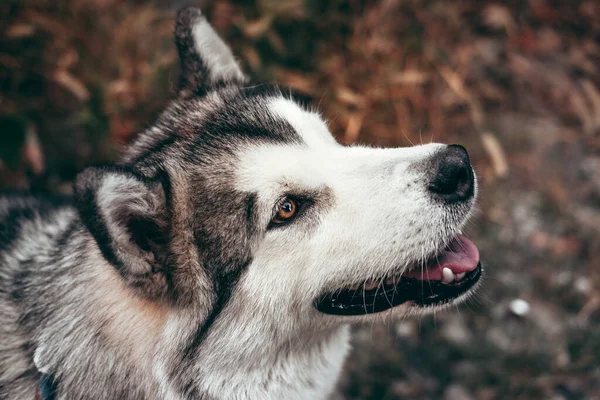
x,y
420,293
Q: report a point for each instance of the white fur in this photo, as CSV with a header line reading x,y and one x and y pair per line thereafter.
x,y
221,64
167,391
310,373
308,124
37,360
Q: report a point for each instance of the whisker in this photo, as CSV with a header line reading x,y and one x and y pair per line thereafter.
x,y
365,296
386,298
407,138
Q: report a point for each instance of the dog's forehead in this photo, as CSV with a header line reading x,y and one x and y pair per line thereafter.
x,y
266,113
307,124
222,120
265,165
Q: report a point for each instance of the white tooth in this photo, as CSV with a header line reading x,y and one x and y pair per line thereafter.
x,y
459,277
447,275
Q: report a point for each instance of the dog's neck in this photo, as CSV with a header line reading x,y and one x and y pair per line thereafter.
x,y
246,357
307,366
242,355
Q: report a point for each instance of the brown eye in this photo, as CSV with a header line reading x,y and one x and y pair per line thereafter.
x,y
285,211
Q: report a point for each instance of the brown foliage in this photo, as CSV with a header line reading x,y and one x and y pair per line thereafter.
x,y
516,82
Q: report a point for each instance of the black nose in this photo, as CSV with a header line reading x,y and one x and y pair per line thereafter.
x,y
452,179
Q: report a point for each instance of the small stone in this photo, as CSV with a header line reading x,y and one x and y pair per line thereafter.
x,y
404,389
457,392
583,285
406,329
499,338
519,307
456,331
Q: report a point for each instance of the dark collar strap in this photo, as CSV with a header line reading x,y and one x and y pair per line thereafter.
x,y
46,388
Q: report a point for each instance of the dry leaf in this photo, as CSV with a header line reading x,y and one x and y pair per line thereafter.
x,y
18,31
72,84
252,57
32,151
353,128
346,95
410,77
498,16
301,82
258,28
496,153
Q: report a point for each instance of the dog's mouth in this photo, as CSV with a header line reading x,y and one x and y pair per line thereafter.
x,y
445,277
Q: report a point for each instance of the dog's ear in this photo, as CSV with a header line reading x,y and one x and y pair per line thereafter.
x,y
127,216
206,61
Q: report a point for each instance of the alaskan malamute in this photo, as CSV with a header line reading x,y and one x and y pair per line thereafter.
x,y
227,252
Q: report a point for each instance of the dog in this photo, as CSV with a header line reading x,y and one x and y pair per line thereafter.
x,y
227,252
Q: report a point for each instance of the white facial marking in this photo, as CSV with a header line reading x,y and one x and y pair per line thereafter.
x,y
309,125
380,218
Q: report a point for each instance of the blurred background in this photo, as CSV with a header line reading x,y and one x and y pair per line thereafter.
x,y
516,82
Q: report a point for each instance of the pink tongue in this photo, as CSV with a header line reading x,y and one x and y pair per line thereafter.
x,y
461,255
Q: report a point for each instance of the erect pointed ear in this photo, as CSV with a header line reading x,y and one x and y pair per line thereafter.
x,y
127,216
206,61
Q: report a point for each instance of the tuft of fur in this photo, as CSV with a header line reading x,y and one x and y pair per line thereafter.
x,y
162,277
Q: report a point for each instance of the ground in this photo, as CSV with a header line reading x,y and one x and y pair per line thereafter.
x,y
516,82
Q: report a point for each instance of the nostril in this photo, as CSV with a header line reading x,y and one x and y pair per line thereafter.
x,y
448,179
452,178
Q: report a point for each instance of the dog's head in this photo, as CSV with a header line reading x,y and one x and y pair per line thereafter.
x,y
240,197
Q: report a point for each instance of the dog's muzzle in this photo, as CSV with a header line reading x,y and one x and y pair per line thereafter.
x,y
442,279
